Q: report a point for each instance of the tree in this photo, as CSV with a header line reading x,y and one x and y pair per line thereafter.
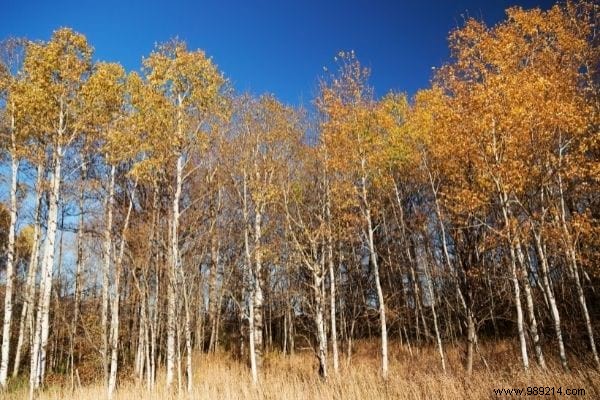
x,y
104,118
354,132
192,89
10,63
54,74
503,103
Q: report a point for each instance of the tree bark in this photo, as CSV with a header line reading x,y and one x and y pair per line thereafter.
x,y
114,323
106,267
375,265
40,339
27,315
516,288
572,257
530,308
332,295
258,292
250,274
175,265
10,260
543,262
78,269
319,321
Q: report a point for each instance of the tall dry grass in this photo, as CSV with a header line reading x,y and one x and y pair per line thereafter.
x,y
415,376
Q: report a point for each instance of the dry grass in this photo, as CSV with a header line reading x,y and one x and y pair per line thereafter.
x,y
411,377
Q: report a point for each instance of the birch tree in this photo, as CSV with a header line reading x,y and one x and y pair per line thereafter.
x,y
192,87
355,131
7,85
54,72
103,117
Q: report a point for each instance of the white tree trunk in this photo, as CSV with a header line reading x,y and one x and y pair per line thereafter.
x,y
10,262
543,262
40,338
319,320
375,264
175,265
141,341
572,256
519,308
471,334
26,323
78,270
212,287
531,309
586,314
114,322
435,318
170,372
514,277
251,346
251,333
188,336
503,197
257,292
153,331
114,336
109,204
332,306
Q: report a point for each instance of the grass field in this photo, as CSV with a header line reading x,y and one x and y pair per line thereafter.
x,y
415,376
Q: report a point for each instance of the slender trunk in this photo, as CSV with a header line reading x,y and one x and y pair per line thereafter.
x,y
572,256
249,272
285,329
435,319
40,338
10,260
543,262
26,323
332,298
413,278
471,337
78,268
212,286
375,265
114,334
174,268
334,339
519,308
171,281
57,295
109,204
530,308
516,288
141,341
188,337
178,352
319,321
114,323
586,314
251,346
503,197
471,332
258,292
147,354
290,328
332,294
154,330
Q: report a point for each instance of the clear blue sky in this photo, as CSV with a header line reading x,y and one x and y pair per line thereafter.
x,y
268,46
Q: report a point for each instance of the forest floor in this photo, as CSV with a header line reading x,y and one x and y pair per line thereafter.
x,y
412,376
